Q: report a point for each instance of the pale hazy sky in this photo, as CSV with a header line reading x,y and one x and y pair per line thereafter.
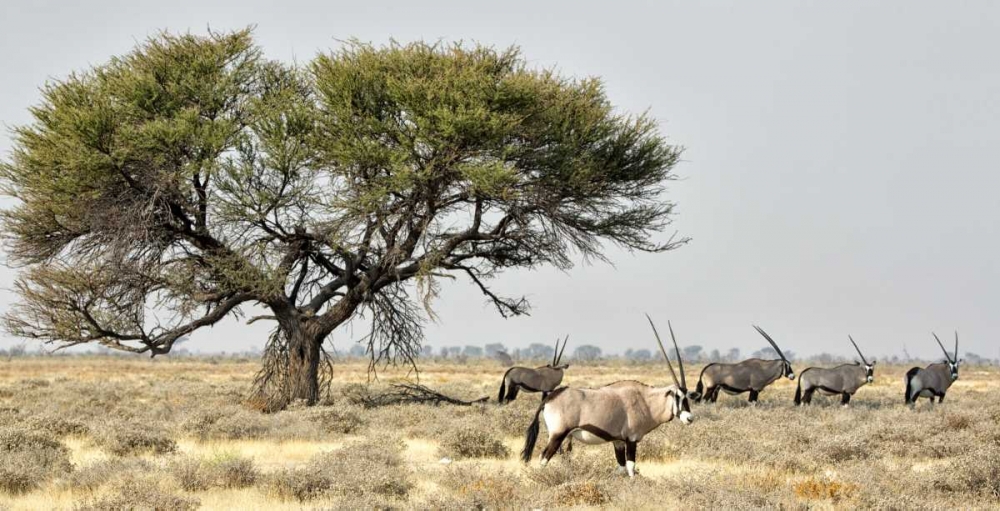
x,y
841,172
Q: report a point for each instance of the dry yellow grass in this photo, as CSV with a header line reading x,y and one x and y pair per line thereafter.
x,y
875,454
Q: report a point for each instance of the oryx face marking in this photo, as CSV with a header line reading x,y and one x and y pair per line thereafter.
x,y
789,373
681,407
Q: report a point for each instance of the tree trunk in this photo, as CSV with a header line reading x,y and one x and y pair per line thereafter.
x,y
303,363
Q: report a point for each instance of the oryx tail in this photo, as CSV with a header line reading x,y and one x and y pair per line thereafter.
x,y
531,436
700,387
909,383
798,388
503,386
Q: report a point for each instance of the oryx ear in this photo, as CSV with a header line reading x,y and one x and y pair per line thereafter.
x,y
874,361
856,362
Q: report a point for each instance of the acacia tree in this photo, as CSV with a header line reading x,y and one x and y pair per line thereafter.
x,y
166,189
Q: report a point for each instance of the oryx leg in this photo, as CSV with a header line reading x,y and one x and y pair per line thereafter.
x,y
753,395
620,456
940,397
554,442
630,457
845,398
512,391
712,393
807,396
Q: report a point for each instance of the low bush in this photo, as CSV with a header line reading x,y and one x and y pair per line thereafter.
x,y
813,488
362,469
219,471
95,475
139,494
473,486
977,473
29,459
343,421
585,493
473,442
129,441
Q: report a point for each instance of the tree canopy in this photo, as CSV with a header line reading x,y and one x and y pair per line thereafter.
x,y
161,191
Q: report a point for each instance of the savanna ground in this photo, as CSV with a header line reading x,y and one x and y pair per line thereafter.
x,y
114,433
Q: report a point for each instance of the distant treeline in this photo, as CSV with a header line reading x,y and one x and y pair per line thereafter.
x,y
535,353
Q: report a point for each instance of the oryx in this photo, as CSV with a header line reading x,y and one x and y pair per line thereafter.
x,y
934,379
844,380
749,375
540,379
622,412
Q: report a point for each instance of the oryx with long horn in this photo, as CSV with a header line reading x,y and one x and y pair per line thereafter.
x,y
934,379
843,380
622,413
542,379
747,376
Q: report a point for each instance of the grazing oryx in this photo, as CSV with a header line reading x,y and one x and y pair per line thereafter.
x,y
934,379
622,412
844,380
749,375
542,379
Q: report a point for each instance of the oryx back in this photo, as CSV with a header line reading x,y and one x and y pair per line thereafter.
x,y
747,376
751,375
843,380
620,411
540,379
931,381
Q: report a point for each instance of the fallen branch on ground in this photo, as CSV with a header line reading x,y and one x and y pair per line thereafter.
x,y
401,393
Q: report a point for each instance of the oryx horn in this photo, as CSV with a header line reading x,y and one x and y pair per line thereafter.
x,y
664,351
773,344
680,363
563,350
946,355
555,352
858,349
956,346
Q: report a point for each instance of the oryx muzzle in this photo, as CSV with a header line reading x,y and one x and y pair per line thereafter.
x,y
747,376
622,413
843,380
934,379
542,379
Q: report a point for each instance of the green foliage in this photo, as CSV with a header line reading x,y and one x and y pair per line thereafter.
x,y
192,176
